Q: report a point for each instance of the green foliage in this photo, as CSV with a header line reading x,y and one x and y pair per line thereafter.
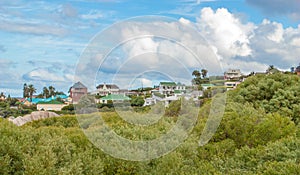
x,y
251,127
137,101
257,135
70,107
173,109
274,93
200,77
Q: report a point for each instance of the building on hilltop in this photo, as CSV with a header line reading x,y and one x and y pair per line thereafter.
x,y
168,88
105,89
77,91
232,74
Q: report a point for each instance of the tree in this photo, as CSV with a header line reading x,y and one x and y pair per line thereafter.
x,y
25,91
2,95
204,73
196,73
51,91
198,80
45,92
137,101
31,90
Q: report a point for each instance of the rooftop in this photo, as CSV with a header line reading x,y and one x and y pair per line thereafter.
x,y
108,86
78,85
168,83
50,102
37,100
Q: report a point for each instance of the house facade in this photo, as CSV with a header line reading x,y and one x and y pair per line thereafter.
x,y
232,74
77,91
231,85
50,106
115,98
105,89
168,88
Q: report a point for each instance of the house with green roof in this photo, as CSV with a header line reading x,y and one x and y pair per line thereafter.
x,y
52,105
115,98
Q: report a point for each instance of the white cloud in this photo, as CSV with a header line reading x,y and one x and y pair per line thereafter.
x,y
249,46
277,28
173,48
226,32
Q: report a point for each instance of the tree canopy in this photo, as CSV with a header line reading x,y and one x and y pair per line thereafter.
x,y
259,134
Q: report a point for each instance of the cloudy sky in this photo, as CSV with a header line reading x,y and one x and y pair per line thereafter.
x,y
49,42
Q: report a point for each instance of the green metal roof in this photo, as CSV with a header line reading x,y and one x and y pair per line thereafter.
x,y
115,97
50,102
168,83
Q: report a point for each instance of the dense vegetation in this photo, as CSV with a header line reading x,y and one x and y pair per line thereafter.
x,y
259,134
12,107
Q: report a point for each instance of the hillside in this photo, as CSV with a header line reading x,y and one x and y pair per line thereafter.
x,y
259,134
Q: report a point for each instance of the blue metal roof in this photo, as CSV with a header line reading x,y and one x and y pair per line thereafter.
x,y
37,100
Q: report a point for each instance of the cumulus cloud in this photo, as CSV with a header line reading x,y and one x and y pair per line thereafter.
x,y
225,32
54,72
246,45
132,47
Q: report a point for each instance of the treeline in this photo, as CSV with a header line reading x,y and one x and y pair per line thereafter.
x,y
254,137
29,90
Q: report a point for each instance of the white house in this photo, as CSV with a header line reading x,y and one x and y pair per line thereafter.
x,y
231,85
168,88
232,74
105,89
149,101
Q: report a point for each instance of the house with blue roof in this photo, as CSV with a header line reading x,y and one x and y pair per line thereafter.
x,y
43,100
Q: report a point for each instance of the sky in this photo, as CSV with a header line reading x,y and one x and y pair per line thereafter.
x,y
48,42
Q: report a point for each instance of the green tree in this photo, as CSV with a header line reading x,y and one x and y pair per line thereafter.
x,y
51,91
204,73
45,92
196,73
31,90
25,91
137,101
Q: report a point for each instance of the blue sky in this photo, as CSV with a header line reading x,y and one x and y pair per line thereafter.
x,y
41,41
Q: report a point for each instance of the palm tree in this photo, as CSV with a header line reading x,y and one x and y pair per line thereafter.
x,y
196,73
25,91
31,91
45,92
204,73
51,91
